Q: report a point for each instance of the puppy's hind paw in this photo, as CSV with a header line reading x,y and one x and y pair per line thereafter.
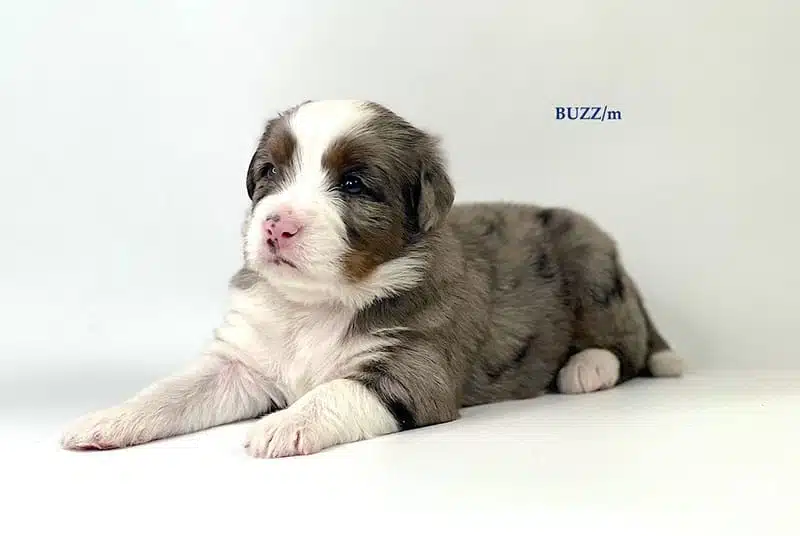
x,y
587,371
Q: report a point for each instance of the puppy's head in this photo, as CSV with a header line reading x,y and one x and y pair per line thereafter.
x,y
343,193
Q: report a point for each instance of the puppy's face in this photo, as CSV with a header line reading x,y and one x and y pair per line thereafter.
x,y
342,192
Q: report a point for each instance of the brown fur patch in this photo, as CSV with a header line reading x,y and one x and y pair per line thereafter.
x,y
280,144
277,147
347,153
370,250
375,228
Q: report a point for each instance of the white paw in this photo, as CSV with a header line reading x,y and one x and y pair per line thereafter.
x,y
588,371
288,433
107,429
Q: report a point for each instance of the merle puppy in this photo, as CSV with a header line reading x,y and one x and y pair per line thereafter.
x,y
368,304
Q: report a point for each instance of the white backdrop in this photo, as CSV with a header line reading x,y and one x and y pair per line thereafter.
x,y
126,128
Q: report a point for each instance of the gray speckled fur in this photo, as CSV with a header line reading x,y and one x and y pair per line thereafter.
x,y
512,292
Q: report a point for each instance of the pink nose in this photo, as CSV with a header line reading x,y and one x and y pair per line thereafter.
x,y
281,229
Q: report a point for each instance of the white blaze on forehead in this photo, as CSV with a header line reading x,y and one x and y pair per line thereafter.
x,y
318,124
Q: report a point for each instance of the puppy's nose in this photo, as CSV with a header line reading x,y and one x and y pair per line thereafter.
x,y
281,229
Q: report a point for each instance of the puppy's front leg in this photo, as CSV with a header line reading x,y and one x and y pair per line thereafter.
x,y
340,411
211,392
389,394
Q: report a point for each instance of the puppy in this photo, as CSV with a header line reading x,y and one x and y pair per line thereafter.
x,y
367,304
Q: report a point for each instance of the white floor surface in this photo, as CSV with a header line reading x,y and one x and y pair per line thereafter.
x,y
707,454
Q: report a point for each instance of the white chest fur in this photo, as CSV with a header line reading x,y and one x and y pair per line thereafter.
x,y
297,347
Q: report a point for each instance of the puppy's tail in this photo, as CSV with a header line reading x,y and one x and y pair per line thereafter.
x,y
665,364
662,361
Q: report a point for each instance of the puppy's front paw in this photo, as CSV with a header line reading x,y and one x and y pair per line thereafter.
x,y
287,433
107,429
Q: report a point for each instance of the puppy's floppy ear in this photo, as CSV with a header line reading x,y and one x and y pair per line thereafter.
x,y
251,178
436,192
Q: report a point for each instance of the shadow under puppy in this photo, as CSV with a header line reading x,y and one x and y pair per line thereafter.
x,y
369,304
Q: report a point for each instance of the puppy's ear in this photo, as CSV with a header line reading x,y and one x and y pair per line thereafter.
x,y
251,178
436,192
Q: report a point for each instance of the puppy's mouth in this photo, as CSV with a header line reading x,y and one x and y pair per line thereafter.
x,y
277,260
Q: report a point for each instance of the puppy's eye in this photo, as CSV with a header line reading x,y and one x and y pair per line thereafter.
x,y
268,171
351,184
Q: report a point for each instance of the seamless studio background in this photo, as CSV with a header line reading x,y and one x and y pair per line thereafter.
x,y
126,129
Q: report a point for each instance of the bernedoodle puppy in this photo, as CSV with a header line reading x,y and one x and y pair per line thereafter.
x,y
368,304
